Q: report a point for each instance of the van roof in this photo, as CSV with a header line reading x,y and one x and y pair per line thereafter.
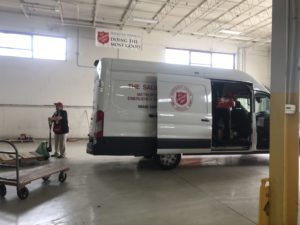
x,y
165,68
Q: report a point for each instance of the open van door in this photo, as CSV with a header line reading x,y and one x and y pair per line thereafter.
x,y
184,121
262,117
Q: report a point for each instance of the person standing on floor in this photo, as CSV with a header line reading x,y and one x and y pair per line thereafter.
x,y
60,129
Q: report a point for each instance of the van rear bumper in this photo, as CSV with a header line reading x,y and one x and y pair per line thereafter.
x,y
89,148
137,146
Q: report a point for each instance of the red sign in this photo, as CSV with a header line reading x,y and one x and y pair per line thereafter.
x,y
181,98
103,37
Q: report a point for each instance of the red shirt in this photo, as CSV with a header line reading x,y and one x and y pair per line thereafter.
x,y
225,103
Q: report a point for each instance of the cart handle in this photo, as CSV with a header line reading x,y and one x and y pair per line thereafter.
x,y
17,159
50,124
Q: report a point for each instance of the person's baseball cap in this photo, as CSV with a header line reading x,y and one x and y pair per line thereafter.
x,y
60,104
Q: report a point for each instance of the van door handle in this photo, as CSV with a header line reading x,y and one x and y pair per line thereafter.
x,y
205,120
152,115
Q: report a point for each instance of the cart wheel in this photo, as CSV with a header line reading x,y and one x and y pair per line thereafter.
x,y
45,178
62,176
23,193
2,190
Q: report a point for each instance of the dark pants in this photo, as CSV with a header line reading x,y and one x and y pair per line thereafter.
x,y
222,121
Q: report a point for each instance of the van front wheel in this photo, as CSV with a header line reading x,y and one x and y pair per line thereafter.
x,y
168,161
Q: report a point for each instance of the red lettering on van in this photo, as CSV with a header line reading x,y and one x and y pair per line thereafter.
x,y
135,86
150,87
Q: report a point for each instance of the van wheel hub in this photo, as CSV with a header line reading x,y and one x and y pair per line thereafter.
x,y
168,161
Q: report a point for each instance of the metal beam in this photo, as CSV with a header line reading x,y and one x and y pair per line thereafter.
x,y
255,22
222,15
232,14
128,11
200,11
23,7
77,12
265,27
264,40
240,38
61,12
255,29
163,12
95,12
284,149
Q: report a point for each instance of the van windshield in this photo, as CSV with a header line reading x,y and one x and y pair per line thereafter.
x,y
262,103
245,103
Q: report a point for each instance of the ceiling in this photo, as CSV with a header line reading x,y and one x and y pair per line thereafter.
x,y
252,19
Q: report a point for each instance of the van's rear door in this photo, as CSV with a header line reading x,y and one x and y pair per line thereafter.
x,y
184,120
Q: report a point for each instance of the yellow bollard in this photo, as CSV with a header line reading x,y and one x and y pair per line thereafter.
x,y
264,202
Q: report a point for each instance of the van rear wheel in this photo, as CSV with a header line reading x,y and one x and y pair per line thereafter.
x,y
168,161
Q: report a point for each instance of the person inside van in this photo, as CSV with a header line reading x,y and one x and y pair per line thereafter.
x,y
60,129
241,121
223,116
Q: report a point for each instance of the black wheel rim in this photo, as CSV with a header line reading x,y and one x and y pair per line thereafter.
x,y
62,176
23,193
168,160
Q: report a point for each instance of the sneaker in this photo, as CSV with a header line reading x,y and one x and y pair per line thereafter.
x,y
54,155
60,157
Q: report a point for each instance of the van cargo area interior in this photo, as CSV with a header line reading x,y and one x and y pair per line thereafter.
x,y
231,109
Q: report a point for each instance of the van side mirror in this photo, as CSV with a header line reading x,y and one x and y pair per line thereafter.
x,y
96,62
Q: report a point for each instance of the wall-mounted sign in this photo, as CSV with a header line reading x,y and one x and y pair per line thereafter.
x,y
118,39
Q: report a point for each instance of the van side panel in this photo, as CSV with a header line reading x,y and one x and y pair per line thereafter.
x,y
129,114
184,112
132,101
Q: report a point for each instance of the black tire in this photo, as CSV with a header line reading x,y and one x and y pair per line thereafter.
x,y
2,190
168,161
62,176
45,178
23,193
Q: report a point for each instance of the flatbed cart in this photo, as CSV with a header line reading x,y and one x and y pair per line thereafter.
x,y
20,178
10,158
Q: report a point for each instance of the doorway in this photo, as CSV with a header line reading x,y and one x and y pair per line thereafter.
x,y
232,115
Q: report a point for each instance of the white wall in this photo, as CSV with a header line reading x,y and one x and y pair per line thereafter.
x,y
257,62
28,87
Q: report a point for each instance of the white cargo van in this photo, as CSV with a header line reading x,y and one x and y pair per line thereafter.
x,y
163,111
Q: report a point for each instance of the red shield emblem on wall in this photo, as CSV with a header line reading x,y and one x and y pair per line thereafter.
x,y
181,98
103,37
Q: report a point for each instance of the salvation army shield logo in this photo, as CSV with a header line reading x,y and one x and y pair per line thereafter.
x,y
103,37
181,98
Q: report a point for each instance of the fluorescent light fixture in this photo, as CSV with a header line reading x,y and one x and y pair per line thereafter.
x,y
143,20
230,32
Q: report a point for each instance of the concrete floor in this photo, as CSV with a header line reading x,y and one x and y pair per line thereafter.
x,y
203,190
